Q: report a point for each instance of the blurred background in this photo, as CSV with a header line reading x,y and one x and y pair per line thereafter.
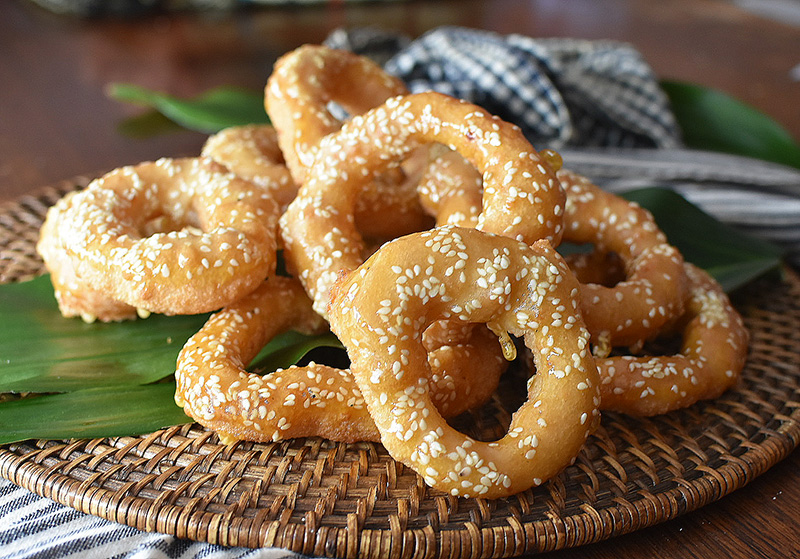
x,y
57,58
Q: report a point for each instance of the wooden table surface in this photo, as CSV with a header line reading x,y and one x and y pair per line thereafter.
x,y
56,122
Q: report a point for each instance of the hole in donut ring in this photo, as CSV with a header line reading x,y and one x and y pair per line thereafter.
x,y
593,266
490,421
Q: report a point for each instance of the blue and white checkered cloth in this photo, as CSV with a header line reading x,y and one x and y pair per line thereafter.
x,y
596,101
559,91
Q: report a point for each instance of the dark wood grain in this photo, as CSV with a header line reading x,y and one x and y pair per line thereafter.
x,y
760,520
56,121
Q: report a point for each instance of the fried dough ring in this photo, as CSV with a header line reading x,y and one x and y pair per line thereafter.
x,y
452,272
214,387
654,289
712,355
303,84
297,99
521,195
175,236
252,152
73,296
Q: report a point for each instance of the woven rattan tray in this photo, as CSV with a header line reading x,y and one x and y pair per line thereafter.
x,y
327,499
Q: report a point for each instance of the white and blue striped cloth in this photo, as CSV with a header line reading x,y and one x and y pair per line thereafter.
x,y
36,527
597,102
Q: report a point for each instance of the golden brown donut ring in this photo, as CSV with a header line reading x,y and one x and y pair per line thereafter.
x,y
73,296
214,387
654,289
175,236
298,95
712,356
252,152
465,274
301,87
521,195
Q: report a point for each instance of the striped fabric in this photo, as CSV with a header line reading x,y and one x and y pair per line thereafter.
x,y
757,197
597,102
36,527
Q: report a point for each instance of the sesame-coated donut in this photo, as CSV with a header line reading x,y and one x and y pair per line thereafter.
x,y
521,195
215,388
380,310
654,289
175,236
303,84
712,355
298,96
73,296
252,152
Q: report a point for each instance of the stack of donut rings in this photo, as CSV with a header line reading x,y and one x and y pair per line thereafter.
x,y
423,232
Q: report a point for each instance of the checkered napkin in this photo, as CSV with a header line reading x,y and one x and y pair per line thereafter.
x,y
596,101
559,91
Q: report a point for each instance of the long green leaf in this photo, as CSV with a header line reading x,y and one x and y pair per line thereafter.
x,y
713,120
289,348
92,413
44,352
148,124
209,112
41,351
731,256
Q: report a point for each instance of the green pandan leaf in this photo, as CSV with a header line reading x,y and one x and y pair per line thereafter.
x,y
289,348
713,120
148,124
209,112
41,351
731,256
45,352
92,413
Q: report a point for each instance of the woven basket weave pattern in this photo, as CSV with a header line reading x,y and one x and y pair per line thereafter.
x,y
322,498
